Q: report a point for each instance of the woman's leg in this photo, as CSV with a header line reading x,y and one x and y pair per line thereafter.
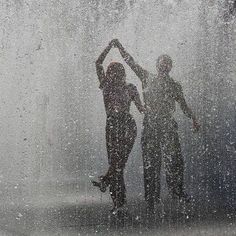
x,y
127,135
111,153
117,188
112,146
120,137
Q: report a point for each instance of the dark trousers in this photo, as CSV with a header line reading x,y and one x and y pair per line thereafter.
x,y
160,140
121,132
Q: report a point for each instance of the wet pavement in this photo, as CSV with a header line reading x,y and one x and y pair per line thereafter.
x,y
69,214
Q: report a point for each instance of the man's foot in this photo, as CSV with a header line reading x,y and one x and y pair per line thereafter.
x,y
182,196
101,185
155,209
116,210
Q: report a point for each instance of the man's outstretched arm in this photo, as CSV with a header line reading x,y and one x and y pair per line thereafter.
x,y
185,108
138,70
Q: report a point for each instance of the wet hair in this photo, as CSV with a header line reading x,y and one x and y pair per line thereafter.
x,y
163,59
115,74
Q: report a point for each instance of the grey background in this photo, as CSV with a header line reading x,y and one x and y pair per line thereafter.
x,y
51,110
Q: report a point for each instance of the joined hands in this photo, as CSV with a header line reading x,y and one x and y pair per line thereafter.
x,y
115,43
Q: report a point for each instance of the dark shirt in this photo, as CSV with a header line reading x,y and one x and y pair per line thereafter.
x,y
117,99
161,94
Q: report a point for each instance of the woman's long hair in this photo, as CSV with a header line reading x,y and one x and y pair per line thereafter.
x,y
115,75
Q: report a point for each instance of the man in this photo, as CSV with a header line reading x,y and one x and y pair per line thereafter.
x,y
160,131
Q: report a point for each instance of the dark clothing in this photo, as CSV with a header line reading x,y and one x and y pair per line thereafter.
x,y
117,99
121,132
161,95
160,92
160,138
121,129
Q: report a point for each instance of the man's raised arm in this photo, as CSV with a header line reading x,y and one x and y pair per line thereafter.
x,y
138,70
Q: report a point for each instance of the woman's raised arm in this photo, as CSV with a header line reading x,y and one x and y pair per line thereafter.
x,y
99,61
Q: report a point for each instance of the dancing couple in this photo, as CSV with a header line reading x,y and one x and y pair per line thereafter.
x,y
159,135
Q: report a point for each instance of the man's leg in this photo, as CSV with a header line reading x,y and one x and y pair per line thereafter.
x,y
174,162
151,152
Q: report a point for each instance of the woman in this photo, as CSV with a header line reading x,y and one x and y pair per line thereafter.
x,y
121,129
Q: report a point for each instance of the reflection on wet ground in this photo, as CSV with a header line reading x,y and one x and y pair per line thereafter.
x,y
69,215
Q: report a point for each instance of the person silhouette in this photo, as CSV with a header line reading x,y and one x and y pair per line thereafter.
x,y
121,128
159,136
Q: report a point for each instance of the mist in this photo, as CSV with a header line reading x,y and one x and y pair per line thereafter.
x,y
52,112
